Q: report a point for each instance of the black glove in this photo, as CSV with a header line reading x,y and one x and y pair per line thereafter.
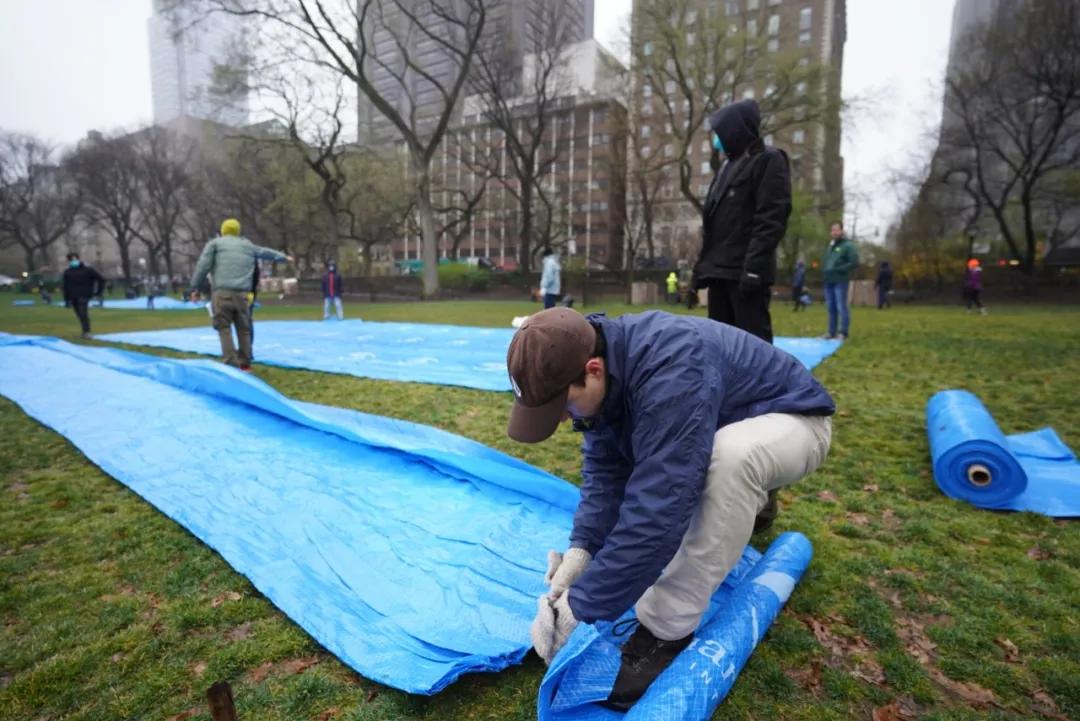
x,y
750,284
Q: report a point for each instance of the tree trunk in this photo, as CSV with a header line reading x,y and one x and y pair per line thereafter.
x,y
125,259
429,246
525,239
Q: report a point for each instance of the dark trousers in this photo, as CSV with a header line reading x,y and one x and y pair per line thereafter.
x,y
883,298
972,297
749,312
550,299
82,311
796,298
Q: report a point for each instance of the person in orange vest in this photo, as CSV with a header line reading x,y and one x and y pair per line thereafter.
x,y
973,286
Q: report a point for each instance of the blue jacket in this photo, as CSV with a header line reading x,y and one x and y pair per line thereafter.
x,y
549,278
672,381
331,284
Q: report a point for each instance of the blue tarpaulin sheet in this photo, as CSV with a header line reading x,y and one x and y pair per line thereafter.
x,y
162,302
741,611
418,352
975,462
412,554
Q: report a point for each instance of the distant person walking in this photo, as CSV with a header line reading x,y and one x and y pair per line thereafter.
x,y
550,278
331,291
841,260
798,286
81,283
973,286
884,285
228,261
672,288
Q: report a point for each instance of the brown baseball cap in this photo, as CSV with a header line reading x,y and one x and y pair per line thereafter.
x,y
547,354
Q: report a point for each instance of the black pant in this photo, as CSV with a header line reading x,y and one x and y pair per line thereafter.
x,y
749,312
796,298
971,297
81,306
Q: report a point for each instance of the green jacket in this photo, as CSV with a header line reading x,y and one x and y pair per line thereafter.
x,y
230,261
841,260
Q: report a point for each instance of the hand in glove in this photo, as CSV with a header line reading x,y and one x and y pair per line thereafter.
x,y
750,284
552,626
564,569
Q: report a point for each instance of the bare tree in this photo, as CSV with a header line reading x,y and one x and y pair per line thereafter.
x,y
38,200
108,176
1012,123
692,58
340,36
164,173
522,106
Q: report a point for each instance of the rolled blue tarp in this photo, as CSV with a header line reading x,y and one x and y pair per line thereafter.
x,y
977,463
742,609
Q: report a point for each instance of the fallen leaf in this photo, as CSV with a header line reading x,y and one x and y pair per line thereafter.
x,y
298,665
261,672
870,671
328,714
888,517
1012,653
193,711
1039,554
371,695
871,488
230,596
116,657
827,496
972,693
198,668
887,713
859,519
240,632
1046,706
809,679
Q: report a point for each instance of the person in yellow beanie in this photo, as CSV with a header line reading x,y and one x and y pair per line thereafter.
x,y
229,261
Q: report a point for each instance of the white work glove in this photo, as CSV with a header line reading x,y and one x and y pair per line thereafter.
x,y
564,569
552,626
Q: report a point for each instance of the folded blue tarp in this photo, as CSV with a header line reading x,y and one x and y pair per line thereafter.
x,y
422,353
412,554
161,302
975,462
24,302
743,608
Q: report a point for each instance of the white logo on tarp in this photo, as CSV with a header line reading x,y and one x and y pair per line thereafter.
x,y
517,388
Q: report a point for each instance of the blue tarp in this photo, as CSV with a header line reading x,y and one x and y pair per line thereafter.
x,y
742,610
161,302
975,462
412,554
423,353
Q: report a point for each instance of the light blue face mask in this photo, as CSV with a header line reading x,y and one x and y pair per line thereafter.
x,y
717,145
74,264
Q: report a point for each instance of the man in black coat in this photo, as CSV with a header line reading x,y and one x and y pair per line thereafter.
x,y
81,283
744,219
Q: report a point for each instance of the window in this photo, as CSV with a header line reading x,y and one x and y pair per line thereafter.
x,y
645,131
691,16
800,89
690,38
800,112
806,16
770,89
648,48
669,87
773,45
751,28
753,4
798,137
646,90
804,39
748,94
703,188
646,108
686,105
769,139
669,150
732,7
774,2
706,168
645,151
774,25
705,147
667,128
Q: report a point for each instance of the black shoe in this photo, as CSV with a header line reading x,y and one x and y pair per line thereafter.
x,y
644,657
768,514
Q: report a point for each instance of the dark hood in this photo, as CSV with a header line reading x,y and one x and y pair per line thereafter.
x,y
738,126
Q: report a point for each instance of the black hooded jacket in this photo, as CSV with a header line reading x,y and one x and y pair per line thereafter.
x,y
749,201
82,283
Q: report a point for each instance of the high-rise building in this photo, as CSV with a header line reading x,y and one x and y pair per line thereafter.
x,y
508,21
812,30
194,65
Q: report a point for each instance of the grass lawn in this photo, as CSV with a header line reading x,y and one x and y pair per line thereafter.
x,y
913,602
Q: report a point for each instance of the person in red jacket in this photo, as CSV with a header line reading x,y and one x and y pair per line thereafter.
x,y
331,290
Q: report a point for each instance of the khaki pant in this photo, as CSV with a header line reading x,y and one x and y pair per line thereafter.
x,y
749,459
231,309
